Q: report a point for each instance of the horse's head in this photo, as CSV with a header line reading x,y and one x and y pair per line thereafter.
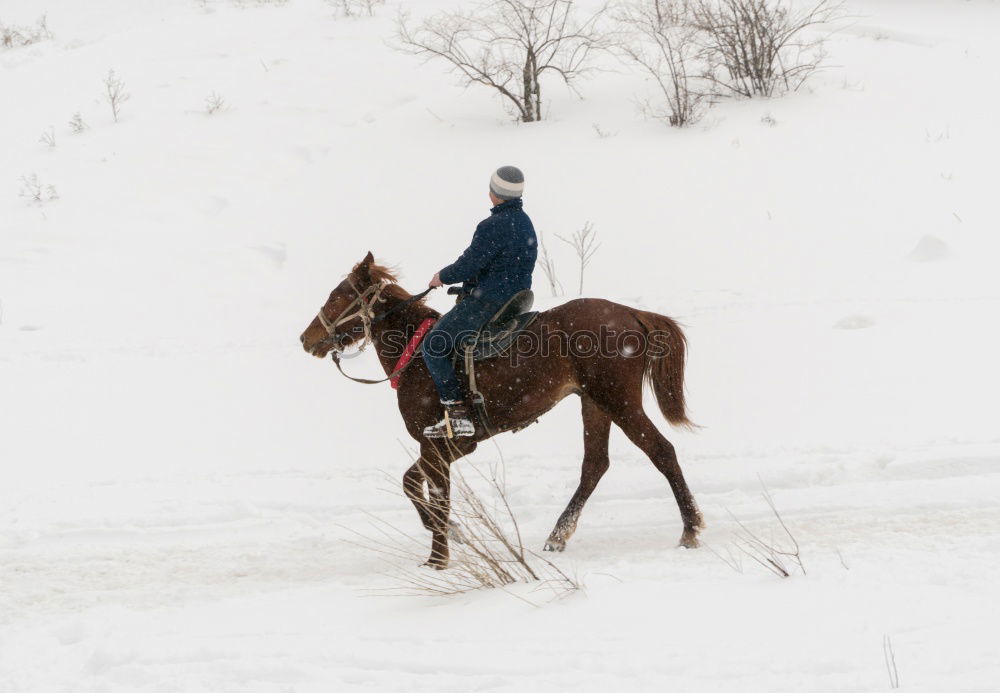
x,y
345,318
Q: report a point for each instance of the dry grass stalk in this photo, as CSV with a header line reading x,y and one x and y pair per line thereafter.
x,y
780,557
487,547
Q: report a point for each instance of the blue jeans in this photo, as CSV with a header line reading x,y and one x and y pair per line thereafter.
x,y
459,324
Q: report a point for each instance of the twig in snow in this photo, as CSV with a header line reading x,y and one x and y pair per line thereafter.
x,y
890,661
48,137
601,132
35,191
842,561
214,103
548,266
770,554
76,123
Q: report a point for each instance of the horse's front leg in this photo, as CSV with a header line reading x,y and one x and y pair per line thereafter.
x,y
436,470
413,487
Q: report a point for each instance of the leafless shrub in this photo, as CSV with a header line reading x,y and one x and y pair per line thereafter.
x,y
214,103
48,137
17,36
777,556
658,37
602,133
760,47
76,124
509,45
584,244
548,266
34,190
115,93
355,8
486,549
890,662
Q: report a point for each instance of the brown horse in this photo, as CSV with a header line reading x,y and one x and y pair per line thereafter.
x,y
564,359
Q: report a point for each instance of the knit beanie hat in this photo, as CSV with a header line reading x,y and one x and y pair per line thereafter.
x,y
507,183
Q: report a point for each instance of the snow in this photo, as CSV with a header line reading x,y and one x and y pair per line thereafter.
x,y
182,484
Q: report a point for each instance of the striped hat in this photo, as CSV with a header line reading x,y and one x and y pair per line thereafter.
x,y
507,182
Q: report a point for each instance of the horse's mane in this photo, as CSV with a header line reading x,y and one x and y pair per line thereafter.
x,y
379,273
382,273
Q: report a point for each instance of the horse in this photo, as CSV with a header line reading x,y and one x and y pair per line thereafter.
x,y
369,306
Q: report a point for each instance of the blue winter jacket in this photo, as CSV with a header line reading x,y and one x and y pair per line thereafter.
x,y
499,261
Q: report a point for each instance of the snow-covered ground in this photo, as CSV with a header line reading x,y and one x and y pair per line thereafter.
x,y
181,484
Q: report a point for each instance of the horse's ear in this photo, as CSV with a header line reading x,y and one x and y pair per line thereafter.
x,y
363,268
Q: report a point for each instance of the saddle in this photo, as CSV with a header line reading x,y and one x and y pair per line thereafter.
x,y
499,333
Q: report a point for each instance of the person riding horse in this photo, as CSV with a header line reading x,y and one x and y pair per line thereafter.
x,y
496,265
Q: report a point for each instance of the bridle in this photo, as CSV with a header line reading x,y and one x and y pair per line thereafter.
x,y
365,301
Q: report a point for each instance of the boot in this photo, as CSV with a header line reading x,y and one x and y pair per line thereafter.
x,y
456,422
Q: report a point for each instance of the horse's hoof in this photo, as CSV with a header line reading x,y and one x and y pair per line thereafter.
x,y
435,564
555,545
689,540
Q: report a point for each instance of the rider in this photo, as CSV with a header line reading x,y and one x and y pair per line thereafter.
x,y
496,265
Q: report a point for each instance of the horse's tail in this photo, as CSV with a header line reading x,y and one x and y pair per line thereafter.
x,y
666,352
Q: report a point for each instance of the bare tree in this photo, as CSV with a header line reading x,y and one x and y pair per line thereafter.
x,y
584,244
509,45
115,93
658,37
548,267
760,47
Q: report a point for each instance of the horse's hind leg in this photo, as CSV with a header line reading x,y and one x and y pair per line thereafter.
x,y
596,427
641,431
